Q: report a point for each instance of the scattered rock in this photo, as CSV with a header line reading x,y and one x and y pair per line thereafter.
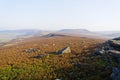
x,y
31,50
64,50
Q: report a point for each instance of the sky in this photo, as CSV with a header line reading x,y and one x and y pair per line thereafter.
x,y
94,15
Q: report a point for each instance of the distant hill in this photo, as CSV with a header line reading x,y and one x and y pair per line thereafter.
x,y
74,31
79,33
7,35
53,35
87,33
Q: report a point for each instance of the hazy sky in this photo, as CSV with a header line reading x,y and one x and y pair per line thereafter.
x,y
95,15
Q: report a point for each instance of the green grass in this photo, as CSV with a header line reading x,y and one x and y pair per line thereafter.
x,y
29,72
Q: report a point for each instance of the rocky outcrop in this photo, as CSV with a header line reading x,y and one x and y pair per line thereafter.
x,y
115,44
64,50
111,48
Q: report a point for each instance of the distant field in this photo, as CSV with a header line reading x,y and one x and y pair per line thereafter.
x,y
8,35
5,37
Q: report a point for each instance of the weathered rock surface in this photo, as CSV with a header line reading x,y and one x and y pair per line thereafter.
x,y
64,50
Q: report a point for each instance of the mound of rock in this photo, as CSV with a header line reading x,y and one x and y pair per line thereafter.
x,y
112,48
64,50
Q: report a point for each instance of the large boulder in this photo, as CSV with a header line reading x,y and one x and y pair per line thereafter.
x,y
64,50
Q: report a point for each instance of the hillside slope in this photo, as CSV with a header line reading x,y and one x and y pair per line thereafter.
x,y
35,58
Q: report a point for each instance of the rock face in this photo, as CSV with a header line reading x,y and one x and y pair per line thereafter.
x,y
112,48
64,50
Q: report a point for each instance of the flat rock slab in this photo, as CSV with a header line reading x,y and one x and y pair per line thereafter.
x,y
114,52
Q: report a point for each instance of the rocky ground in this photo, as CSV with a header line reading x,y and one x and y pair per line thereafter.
x,y
110,50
